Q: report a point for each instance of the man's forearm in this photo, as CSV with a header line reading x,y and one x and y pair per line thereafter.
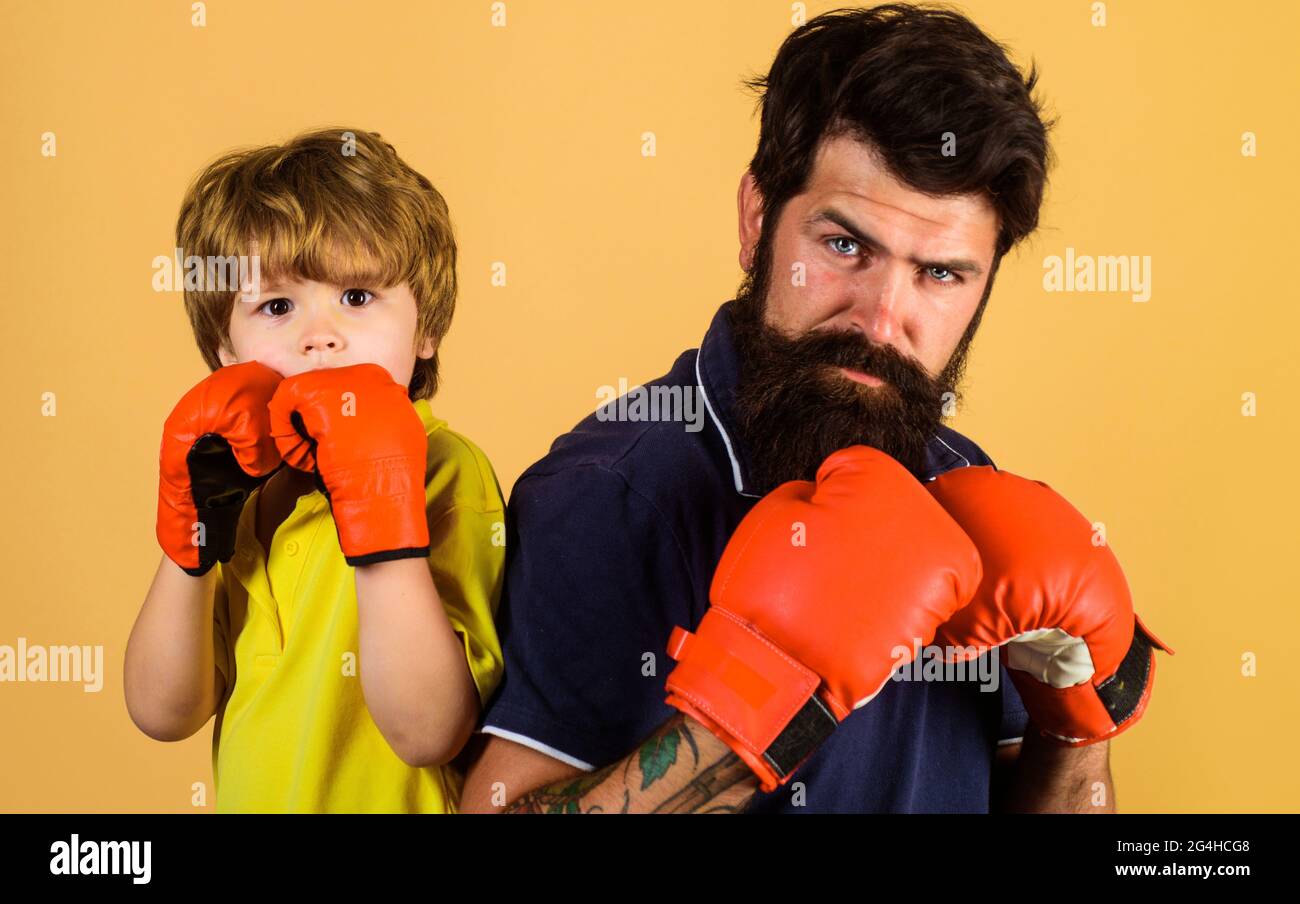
x,y
681,768
1051,779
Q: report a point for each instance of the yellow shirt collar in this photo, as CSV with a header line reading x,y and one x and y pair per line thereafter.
x,y
430,422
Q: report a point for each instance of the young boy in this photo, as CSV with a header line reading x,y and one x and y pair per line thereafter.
x,y
333,553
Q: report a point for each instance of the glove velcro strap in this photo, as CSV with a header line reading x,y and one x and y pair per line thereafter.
x,y
1085,714
1125,693
754,695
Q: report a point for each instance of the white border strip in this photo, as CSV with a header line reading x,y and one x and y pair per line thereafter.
x,y
954,451
726,440
536,745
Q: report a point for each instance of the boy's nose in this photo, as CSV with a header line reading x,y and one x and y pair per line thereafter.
x,y
321,339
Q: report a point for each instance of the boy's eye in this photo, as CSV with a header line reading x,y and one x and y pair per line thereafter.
x,y
276,307
355,298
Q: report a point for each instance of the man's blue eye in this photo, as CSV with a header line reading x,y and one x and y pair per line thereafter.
x,y
847,247
352,295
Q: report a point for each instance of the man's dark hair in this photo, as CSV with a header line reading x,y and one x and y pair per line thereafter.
x,y
899,77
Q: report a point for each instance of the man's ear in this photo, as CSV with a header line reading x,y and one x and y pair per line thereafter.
x,y
749,207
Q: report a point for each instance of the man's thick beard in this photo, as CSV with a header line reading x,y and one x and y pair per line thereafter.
x,y
794,408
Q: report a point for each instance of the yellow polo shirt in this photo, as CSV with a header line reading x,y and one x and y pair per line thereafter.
x,y
294,734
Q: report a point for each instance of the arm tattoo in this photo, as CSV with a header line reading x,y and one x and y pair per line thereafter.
x,y
655,779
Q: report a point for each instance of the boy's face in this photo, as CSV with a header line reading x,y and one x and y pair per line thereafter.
x,y
300,325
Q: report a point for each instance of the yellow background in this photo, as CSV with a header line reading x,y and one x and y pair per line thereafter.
x,y
616,263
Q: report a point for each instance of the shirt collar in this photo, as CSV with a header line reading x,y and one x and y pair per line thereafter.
x,y
431,423
717,373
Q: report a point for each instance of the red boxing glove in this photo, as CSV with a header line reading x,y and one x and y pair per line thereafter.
x,y
821,593
1082,660
357,431
216,448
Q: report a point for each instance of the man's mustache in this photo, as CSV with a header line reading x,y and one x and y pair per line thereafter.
x,y
837,348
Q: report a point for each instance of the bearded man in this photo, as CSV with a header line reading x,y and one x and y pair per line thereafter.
x,y
900,156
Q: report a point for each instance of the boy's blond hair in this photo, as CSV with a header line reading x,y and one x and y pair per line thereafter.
x,y
331,205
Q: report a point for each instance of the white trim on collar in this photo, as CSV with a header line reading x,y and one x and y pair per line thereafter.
x,y
726,440
954,451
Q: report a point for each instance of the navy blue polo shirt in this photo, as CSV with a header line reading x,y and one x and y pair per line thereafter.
x,y
612,541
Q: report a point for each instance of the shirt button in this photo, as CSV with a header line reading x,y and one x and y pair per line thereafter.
x,y
291,547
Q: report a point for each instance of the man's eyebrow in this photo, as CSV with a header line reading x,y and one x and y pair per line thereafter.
x,y
862,237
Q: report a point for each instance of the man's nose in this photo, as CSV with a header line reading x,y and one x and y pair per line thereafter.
x,y
879,305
